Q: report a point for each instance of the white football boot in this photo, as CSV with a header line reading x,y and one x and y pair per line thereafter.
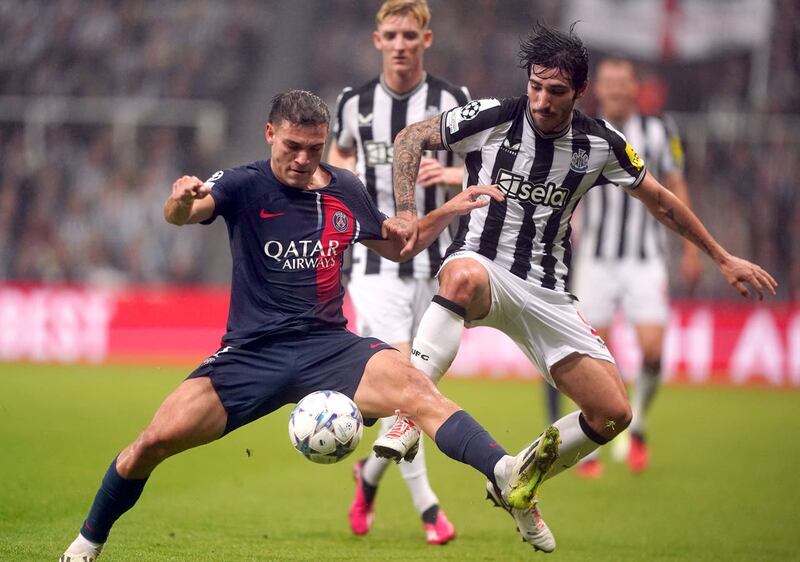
x,y
518,480
401,442
81,550
529,521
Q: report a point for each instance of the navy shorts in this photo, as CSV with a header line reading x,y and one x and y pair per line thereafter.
x,y
260,377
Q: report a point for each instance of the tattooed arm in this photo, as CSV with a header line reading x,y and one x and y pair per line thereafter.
x,y
669,210
408,148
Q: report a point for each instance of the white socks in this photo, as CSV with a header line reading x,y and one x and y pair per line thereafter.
x,y
502,470
83,546
438,337
414,473
644,389
576,443
434,348
575,446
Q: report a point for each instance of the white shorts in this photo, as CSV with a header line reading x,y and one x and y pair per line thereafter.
x,y
639,288
544,324
390,308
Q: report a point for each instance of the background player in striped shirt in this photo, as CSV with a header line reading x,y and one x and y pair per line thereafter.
x,y
621,254
390,298
508,265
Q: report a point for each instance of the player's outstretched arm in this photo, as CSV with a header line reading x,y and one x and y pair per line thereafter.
x,y
691,269
669,210
432,224
189,202
409,145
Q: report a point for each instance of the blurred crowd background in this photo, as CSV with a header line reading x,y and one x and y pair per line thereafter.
x,y
103,103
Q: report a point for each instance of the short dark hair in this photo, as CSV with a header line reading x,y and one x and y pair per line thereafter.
x,y
551,48
299,107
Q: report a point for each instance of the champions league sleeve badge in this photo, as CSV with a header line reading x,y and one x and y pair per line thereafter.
x,y
467,112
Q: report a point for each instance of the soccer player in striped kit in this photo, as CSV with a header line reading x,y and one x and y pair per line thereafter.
x,y
507,267
621,251
390,298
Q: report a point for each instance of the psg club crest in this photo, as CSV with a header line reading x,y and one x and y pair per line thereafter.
x,y
340,221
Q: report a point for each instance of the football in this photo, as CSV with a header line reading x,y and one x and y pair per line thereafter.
x,y
325,426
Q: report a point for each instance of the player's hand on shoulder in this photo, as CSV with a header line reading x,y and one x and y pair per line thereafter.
x,y
188,188
740,273
474,197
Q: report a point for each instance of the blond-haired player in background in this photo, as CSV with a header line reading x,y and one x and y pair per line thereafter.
x,y
390,298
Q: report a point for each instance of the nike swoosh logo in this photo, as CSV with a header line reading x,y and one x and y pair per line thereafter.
x,y
266,215
374,345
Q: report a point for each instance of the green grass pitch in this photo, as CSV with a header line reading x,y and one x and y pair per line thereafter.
x,y
723,483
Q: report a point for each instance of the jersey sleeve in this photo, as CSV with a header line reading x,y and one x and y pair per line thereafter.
x,y
463,96
672,159
369,219
466,128
343,136
623,167
226,189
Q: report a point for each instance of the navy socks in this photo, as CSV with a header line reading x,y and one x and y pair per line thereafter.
x,y
462,438
115,496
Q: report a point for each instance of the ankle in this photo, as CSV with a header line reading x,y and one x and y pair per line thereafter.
x,y
501,471
429,515
82,545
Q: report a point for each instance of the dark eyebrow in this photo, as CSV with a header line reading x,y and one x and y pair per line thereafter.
x,y
536,82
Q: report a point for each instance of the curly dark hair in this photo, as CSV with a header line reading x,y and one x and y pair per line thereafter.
x,y
299,107
550,48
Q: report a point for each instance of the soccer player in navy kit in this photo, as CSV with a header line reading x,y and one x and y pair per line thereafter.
x,y
289,221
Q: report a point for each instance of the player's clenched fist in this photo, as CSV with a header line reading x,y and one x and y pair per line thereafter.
x,y
183,205
401,227
188,188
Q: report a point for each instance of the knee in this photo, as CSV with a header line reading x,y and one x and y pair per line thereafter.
x,y
610,418
651,363
651,356
417,391
621,416
149,449
461,284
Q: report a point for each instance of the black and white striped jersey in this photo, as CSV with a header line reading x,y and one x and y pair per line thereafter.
x,y
615,226
543,177
369,118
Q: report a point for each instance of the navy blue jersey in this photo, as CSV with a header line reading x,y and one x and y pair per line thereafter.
x,y
287,246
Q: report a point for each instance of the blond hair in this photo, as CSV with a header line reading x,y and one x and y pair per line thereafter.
x,y
417,9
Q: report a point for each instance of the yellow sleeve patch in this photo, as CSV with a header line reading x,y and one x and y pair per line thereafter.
x,y
633,157
677,150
